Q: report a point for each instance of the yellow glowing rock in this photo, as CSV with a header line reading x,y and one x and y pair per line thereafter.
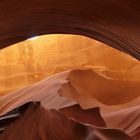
x,y
27,62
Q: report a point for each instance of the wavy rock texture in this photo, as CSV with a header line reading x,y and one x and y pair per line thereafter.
x,y
98,80
112,83
42,124
63,91
116,23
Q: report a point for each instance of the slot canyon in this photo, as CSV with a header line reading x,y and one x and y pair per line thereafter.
x,y
70,69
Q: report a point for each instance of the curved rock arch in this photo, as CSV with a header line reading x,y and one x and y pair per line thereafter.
x,y
114,22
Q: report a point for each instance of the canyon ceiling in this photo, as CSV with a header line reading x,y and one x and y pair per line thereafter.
x,y
114,22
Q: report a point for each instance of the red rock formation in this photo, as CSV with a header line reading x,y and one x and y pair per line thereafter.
x,y
89,116
117,22
40,124
114,22
62,91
